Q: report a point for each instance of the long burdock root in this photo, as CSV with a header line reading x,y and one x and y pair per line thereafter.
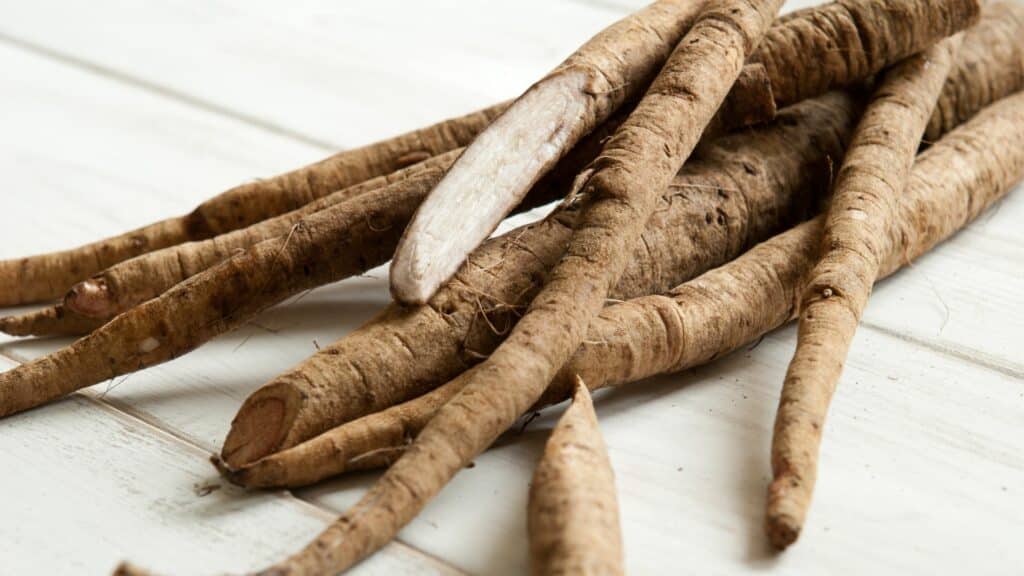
x,y
374,368
93,302
854,38
48,276
135,281
334,243
329,245
951,184
573,514
132,282
636,165
524,143
989,66
705,318
740,191
992,66
847,41
855,242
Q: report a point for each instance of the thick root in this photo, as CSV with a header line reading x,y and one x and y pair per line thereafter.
x,y
705,318
848,41
740,191
48,276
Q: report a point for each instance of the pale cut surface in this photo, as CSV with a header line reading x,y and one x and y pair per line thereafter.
x,y
487,182
609,70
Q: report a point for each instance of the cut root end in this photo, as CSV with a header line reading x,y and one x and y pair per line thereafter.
x,y
260,426
90,298
488,181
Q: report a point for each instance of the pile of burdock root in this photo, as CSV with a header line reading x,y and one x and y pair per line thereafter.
x,y
721,172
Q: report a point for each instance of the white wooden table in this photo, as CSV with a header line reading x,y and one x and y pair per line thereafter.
x,y
117,113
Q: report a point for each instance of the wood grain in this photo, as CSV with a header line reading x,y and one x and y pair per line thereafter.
x,y
106,127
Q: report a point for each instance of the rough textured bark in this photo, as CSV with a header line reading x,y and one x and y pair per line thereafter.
x,y
705,318
48,276
989,66
520,146
857,239
638,162
845,42
739,191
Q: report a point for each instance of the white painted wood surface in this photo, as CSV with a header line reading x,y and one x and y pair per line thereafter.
x,y
119,113
88,486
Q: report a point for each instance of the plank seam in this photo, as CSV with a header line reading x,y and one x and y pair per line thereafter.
x,y
975,357
165,92
119,410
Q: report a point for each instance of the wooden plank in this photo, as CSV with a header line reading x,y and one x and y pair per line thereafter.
x,y
196,396
342,73
907,461
918,447
85,156
88,162
74,146
964,298
88,487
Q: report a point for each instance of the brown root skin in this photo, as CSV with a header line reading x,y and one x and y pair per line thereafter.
x,y
714,314
990,62
48,276
990,66
52,321
741,190
139,279
845,42
544,123
855,242
467,320
637,164
373,441
134,281
329,245
750,102
573,512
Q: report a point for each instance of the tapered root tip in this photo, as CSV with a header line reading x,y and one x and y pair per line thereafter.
x,y
229,474
261,425
782,531
784,518
264,473
90,298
